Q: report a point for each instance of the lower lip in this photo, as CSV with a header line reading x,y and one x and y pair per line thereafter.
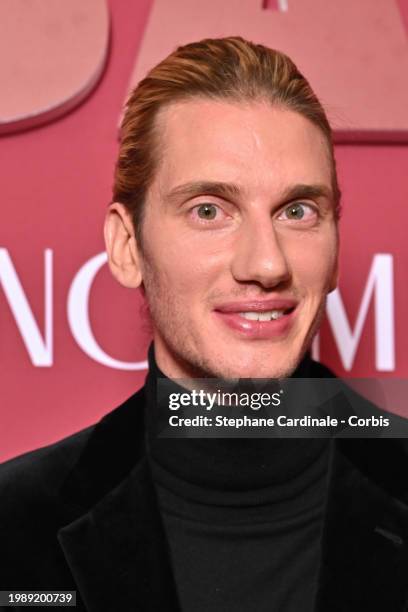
x,y
275,328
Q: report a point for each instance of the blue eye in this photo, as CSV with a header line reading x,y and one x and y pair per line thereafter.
x,y
295,211
298,211
207,211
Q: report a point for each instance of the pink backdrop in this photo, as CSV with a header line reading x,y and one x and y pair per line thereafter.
x,y
58,373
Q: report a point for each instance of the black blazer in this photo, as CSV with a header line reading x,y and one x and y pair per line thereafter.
x,y
82,514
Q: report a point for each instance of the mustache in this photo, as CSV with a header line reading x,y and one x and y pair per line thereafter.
x,y
253,293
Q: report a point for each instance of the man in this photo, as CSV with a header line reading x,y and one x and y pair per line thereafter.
x,y
225,215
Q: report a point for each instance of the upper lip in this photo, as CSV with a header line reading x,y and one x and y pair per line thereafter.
x,y
257,305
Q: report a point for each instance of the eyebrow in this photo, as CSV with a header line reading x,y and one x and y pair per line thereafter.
x,y
309,192
230,191
227,191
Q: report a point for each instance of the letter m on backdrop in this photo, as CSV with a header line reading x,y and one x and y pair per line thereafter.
x,y
355,54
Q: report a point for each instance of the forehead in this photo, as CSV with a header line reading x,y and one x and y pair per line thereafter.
x,y
254,144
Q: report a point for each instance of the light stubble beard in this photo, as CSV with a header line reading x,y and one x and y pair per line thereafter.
x,y
181,347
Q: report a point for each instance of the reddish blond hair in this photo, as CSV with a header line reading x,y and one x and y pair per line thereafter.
x,y
220,69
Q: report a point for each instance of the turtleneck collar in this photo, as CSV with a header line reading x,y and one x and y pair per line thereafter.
x,y
258,468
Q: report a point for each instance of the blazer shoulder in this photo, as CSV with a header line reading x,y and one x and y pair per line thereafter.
x,y
42,491
37,474
381,458
31,514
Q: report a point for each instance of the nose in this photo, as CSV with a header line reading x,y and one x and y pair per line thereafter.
x,y
260,255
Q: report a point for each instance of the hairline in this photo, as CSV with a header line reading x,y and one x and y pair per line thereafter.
x,y
235,98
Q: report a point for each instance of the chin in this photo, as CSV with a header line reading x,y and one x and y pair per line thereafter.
x,y
269,366
279,372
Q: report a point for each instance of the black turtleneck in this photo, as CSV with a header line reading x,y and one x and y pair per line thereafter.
x,y
243,516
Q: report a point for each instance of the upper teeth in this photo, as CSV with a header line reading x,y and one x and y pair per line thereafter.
x,y
263,316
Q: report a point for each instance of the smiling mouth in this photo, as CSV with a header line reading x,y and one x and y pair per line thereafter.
x,y
259,320
268,315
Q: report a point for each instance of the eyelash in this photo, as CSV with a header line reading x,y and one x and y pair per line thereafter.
x,y
206,221
312,208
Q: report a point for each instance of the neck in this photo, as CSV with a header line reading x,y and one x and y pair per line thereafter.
x,y
227,464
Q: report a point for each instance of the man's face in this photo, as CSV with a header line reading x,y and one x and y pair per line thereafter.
x,y
239,239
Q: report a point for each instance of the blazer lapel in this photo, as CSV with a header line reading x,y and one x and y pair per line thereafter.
x,y
364,564
113,538
118,552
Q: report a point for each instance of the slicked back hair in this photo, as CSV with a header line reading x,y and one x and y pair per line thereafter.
x,y
230,69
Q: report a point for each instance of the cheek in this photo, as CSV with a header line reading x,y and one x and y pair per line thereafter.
x,y
313,261
181,267
184,261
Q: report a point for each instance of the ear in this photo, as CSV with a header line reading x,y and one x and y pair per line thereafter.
x,y
121,246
